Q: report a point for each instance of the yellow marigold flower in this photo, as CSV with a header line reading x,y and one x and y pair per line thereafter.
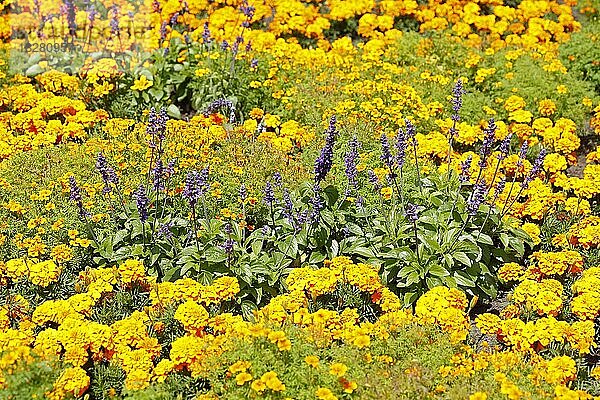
x,y
533,231
555,162
560,370
73,381
514,103
386,192
137,379
44,273
509,272
256,113
192,316
272,381
132,271
242,378
313,361
546,107
520,116
258,386
562,89
142,83
478,396
61,253
239,366
577,206
338,369
324,394
488,324
362,341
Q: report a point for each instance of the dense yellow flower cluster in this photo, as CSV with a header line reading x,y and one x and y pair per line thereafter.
x,y
537,335
556,263
585,233
133,23
39,273
447,308
32,119
64,328
543,297
586,304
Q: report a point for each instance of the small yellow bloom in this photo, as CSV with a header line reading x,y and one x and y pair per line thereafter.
x,y
313,361
338,369
242,378
142,83
386,192
562,89
478,396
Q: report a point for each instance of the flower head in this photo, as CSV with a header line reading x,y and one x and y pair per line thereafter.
x,y
457,92
412,212
325,160
107,172
141,200
351,161
477,197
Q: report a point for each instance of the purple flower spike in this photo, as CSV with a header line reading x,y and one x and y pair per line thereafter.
x,y
325,160
477,197
141,200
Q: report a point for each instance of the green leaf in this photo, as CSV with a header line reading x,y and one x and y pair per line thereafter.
x,y
363,251
257,246
157,93
34,70
462,258
504,239
485,239
518,246
431,243
248,308
173,111
463,279
438,270
335,248
187,267
449,281
410,297
316,258
433,282
289,247
147,74
215,255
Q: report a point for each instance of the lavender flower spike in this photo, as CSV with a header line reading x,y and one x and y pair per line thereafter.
x,y
142,202
386,154
107,172
477,197
536,169
75,196
465,173
269,195
325,160
457,92
401,146
351,161
412,212
488,141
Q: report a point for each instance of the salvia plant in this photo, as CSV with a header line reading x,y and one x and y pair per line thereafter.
x,y
420,230
215,76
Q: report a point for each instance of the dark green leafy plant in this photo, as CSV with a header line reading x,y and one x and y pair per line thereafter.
x,y
423,231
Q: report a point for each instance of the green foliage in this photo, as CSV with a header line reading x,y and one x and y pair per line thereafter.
x,y
187,77
582,52
107,380
176,387
30,380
